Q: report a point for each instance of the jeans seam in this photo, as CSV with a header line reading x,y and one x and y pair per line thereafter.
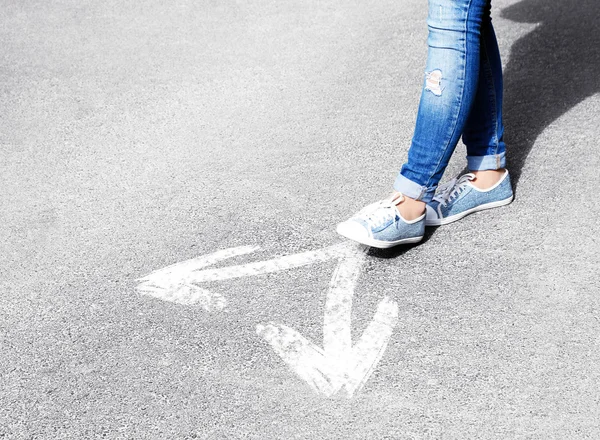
x,y
491,92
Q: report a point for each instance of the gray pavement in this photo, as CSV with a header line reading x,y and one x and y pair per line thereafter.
x,y
135,135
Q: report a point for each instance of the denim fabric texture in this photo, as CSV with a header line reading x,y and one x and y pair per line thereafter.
x,y
380,225
470,198
395,229
461,96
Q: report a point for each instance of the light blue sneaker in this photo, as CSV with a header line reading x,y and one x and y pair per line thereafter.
x,y
380,225
459,198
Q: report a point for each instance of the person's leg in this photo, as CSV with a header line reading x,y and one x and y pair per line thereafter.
x,y
484,131
449,91
488,183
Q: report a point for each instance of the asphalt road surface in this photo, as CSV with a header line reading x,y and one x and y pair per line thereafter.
x,y
135,135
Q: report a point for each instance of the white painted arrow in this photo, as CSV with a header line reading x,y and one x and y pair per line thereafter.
x,y
178,282
338,365
175,283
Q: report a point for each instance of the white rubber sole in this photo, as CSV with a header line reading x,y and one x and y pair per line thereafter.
x,y
379,243
455,217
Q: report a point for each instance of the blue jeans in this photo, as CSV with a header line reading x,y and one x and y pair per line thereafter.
x,y
462,95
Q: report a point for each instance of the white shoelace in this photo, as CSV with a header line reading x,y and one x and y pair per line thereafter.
x,y
380,212
451,190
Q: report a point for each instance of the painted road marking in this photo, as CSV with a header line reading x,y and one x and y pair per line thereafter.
x,y
338,365
269,266
173,283
177,283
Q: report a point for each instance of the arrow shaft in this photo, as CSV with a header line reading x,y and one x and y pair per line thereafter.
x,y
179,270
337,336
269,266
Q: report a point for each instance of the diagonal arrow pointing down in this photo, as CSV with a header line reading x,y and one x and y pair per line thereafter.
x,y
338,365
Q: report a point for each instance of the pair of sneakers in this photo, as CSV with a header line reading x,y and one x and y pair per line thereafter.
x,y
380,225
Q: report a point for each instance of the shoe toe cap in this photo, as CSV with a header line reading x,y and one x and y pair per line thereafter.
x,y
352,230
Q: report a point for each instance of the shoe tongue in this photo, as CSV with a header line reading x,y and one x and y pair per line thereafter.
x,y
465,179
469,177
395,199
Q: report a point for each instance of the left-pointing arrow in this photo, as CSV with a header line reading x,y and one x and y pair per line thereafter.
x,y
174,283
179,282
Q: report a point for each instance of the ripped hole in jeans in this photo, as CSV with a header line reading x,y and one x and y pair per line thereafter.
x,y
433,82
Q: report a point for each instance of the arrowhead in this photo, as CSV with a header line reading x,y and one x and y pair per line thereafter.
x,y
326,373
186,294
174,283
303,357
368,351
338,364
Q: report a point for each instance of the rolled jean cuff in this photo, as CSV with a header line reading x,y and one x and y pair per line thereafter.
x,y
413,190
482,163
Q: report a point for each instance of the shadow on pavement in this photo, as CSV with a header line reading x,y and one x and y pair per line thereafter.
x,y
551,69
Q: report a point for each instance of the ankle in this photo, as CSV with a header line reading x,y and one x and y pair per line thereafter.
x,y
485,179
411,209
